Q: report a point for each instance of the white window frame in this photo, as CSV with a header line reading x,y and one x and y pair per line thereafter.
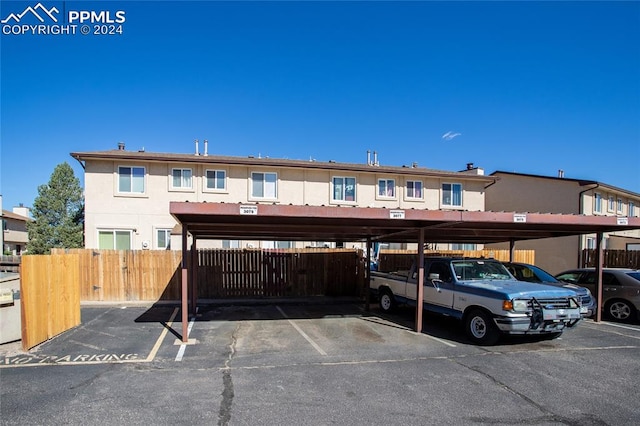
x,y
590,243
205,184
114,231
442,197
130,192
386,182
619,206
611,204
231,244
597,202
183,183
264,181
344,191
463,246
414,198
632,209
167,232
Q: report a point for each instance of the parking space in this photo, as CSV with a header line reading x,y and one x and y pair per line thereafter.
x,y
317,364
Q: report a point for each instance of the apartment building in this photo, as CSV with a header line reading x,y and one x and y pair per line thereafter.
x,y
127,193
14,230
521,192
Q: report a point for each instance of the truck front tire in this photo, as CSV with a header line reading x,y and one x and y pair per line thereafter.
x,y
480,328
387,302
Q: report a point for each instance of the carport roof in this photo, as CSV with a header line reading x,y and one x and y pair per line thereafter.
x,y
332,223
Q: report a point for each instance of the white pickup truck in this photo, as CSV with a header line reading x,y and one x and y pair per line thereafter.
x,y
483,295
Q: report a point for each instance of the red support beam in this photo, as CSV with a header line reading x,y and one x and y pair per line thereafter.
x,y
420,283
185,294
194,277
598,295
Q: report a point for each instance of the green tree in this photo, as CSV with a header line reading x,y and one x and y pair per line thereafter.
x,y
58,213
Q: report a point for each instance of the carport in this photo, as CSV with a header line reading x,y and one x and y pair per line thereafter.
x,y
356,224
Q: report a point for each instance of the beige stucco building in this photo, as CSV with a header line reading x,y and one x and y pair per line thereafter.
x,y
14,230
520,192
127,193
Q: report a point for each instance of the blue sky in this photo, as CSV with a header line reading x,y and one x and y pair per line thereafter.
x,y
529,87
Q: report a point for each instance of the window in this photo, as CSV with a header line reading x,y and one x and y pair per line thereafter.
x,y
386,188
216,179
459,246
163,240
230,244
452,194
612,203
619,206
414,189
131,179
597,206
591,243
263,185
181,179
632,209
114,240
344,189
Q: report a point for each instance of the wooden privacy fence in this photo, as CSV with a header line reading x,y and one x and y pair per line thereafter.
x,y
151,275
50,296
394,260
128,275
612,258
280,273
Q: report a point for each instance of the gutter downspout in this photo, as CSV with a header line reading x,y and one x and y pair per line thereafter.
x,y
81,163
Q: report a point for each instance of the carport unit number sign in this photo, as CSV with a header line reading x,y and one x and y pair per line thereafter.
x,y
396,214
249,210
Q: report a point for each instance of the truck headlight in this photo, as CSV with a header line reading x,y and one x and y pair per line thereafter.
x,y
520,305
515,305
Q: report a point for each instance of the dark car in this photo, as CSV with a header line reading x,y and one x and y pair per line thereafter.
x,y
534,274
620,289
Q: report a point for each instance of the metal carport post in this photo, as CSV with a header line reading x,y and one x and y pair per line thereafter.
x,y
420,283
185,283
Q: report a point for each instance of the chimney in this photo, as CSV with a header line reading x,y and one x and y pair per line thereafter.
x,y
375,158
120,146
206,147
22,210
197,151
561,173
469,166
368,157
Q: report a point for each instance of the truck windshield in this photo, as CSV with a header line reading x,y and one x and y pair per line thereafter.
x,y
480,270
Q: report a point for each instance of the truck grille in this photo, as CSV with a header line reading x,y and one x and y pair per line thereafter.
x,y
562,303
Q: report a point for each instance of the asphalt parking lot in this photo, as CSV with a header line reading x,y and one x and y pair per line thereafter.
x,y
315,364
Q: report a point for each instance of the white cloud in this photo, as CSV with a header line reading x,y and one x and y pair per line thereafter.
x,y
450,135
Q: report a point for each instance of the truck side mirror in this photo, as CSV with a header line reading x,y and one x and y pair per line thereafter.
x,y
434,277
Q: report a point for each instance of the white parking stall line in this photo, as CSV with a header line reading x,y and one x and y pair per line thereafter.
x,y
598,325
302,333
183,346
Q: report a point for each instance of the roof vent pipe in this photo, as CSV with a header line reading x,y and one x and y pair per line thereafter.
x,y
120,146
469,166
368,157
206,147
560,173
196,142
375,158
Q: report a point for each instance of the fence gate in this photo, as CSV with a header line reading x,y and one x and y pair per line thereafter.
x,y
50,296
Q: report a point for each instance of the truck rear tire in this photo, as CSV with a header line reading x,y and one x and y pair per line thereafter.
x,y
480,328
387,301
